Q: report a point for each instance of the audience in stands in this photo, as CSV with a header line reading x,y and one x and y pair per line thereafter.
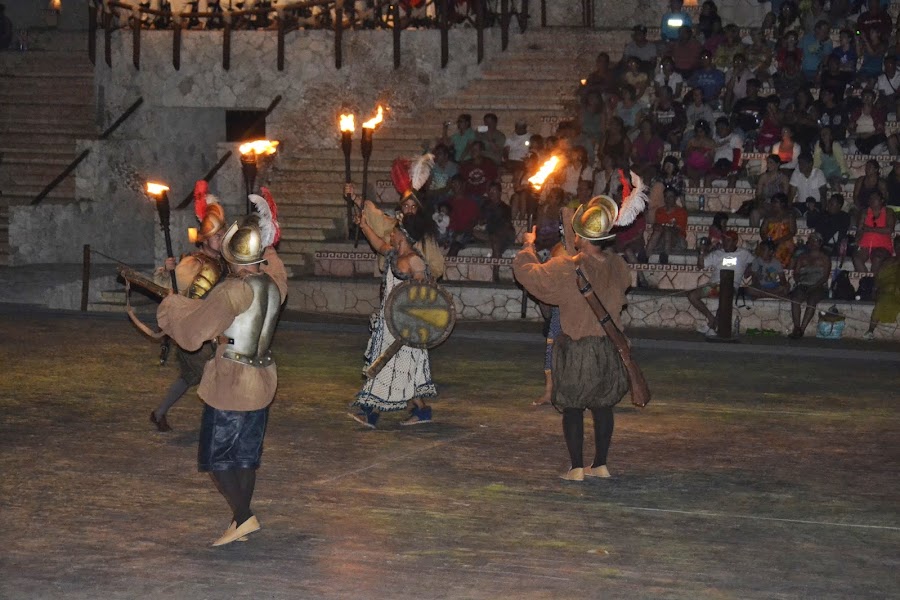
x,y
767,278
738,260
831,224
811,272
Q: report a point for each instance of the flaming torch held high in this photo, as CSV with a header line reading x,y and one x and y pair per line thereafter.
x,y
348,126
537,180
250,153
160,195
368,129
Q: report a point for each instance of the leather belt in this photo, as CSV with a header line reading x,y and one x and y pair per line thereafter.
x,y
223,340
251,361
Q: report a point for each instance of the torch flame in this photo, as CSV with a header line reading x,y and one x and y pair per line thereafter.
x,y
374,121
156,189
192,235
537,180
584,82
347,123
258,147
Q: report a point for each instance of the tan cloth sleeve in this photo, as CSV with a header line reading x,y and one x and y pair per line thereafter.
x,y
380,223
542,280
433,256
190,322
186,271
274,268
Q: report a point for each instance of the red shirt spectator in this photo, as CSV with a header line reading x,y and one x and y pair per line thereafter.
x,y
875,18
678,216
478,172
464,214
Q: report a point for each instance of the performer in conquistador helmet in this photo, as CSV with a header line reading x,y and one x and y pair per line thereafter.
x,y
239,384
196,273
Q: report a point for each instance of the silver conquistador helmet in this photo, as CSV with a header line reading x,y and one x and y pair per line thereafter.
x,y
245,244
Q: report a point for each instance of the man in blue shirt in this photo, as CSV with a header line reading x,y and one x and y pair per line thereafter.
x,y
816,46
674,20
709,79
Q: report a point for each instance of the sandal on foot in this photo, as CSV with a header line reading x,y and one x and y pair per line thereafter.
x,y
419,416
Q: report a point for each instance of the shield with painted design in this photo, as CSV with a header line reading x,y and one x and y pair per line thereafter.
x,y
419,315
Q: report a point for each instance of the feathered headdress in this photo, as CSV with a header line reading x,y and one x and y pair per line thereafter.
x,y
410,176
209,212
634,199
269,228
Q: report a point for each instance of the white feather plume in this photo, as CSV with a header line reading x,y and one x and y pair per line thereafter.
x,y
210,199
420,170
634,204
266,223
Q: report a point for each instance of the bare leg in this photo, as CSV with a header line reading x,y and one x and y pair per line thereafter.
x,y
696,301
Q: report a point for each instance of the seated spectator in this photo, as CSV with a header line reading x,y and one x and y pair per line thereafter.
x,y
789,80
875,19
727,158
499,231
593,124
788,48
887,293
834,80
669,228
892,183
867,127
460,140
749,110
759,55
832,223
788,18
709,16
845,53
716,233
605,175
815,14
738,80
685,52
674,21
787,149
695,109
715,38
771,183
767,278
828,156
870,182
646,150
577,168
601,80
464,215
516,149
714,260
807,182
492,139
639,48
887,86
731,46
629,110
636,78
477,172
439,183
698,155
668,176
816,47
811,273
616,143
669,118
769,126
780,227
668,77
872,47
708,79
441,219
874,229
831,114
802,118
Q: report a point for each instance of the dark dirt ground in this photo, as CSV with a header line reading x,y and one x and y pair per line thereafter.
x,y
748,476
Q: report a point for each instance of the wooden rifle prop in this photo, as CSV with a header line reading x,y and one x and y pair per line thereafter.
x,y
134,277
640,392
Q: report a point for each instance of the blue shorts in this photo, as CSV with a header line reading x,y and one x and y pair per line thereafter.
x,y
231,439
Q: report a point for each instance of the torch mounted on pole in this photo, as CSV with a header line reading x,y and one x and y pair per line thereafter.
x,y
536,181
250,153
348,126
368,131
160,194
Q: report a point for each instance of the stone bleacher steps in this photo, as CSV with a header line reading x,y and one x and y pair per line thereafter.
x,y
46,104
535,79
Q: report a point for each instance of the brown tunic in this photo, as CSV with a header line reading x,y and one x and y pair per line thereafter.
x,y
226,384
554,282
382,225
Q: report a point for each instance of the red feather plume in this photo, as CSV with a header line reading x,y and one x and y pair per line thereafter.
x,y
274,210
201,188
400,176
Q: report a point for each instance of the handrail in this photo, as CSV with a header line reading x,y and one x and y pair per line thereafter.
x,y
212,172
84,154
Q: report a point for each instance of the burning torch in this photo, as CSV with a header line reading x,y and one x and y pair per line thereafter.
x,y
348,126
250,153
160,195
537,181
368,130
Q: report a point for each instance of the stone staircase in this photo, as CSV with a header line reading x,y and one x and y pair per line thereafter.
x,y
46,104
535,79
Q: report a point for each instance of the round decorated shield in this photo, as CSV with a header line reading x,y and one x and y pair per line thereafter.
x,y
420,314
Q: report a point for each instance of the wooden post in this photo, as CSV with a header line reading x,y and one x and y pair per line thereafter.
x,y
281,33
726,301
92,33
226,45
338,35
445,32
504,24
176,46
85,276
396,14
136,43
543,13
479,28
524,17
107,39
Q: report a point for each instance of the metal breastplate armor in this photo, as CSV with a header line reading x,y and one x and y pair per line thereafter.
x,y
250,334
211,271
